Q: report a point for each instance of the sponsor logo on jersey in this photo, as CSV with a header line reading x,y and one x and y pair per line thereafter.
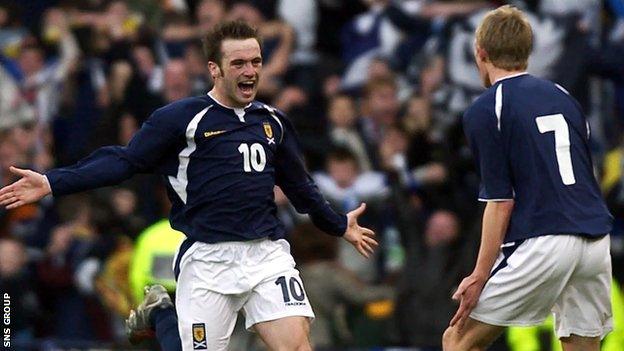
x,y
213,133
199,336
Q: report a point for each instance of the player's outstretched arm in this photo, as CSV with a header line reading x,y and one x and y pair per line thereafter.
x,y
361,238
31,187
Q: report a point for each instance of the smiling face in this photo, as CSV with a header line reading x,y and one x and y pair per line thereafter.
x,y
236,77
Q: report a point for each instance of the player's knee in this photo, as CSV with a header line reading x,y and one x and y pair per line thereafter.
x,y
296,344
303,339
450,339
305,347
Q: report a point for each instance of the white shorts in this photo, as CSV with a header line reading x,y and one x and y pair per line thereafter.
x,y
216,281
567,275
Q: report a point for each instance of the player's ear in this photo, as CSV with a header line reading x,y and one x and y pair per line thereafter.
x,y
214,69
481,54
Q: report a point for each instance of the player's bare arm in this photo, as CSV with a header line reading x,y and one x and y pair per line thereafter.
x,y
495,221
361,238
31,187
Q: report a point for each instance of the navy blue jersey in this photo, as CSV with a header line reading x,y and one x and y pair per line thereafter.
x,y
530,141
220,166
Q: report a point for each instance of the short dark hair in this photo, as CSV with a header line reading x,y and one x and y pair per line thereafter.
x,y
227,30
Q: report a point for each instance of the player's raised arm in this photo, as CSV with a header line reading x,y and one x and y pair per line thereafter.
x,y
292,177
106,166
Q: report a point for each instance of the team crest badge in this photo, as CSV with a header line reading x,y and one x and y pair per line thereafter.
x,y
268,131
199,336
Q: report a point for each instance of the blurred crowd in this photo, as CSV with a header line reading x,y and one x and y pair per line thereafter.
x,y
375,89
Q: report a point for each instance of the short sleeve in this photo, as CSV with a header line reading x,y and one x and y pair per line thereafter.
x,y
482,128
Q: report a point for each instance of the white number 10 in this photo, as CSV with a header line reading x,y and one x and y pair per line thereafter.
x,y
557,123
253,156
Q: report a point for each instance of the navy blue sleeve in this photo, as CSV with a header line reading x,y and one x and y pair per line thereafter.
x,y
292,177
112,165
486,142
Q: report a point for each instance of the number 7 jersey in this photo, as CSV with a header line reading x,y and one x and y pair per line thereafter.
x,y
220,166
529,138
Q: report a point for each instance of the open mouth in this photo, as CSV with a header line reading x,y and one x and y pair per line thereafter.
x,y
247,87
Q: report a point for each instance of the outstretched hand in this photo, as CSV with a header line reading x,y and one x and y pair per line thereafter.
x,y
361,238
31,187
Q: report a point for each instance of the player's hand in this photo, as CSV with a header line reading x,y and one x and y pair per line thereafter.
x,y
467,294
361,238
30,188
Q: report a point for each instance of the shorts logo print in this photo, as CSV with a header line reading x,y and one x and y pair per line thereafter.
x,y
199,336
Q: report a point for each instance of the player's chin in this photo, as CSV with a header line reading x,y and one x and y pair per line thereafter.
x,y
246,95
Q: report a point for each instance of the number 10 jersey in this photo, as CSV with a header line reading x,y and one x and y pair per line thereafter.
x,y
220,166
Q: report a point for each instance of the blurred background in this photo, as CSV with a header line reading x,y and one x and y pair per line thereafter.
x,y
376,90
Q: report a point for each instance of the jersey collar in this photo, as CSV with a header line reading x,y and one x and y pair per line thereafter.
x,y
510,76
223,105
254,105
239,112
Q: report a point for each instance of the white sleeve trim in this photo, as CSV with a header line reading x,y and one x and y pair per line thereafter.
x,y
495,200
498,107
180,181
562,89
272,113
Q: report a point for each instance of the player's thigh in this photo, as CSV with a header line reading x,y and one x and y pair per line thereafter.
x,y
288,333
580,343
279,310
473,336
584,307
206,318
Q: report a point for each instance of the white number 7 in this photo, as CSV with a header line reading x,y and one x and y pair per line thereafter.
x,y
557,123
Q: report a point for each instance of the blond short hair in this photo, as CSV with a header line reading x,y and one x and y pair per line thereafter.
x,y
506,35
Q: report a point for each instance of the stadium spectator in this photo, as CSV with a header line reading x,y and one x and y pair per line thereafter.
x,y
345,185
379,110
39,81
331,287
438,255
343,129
278,42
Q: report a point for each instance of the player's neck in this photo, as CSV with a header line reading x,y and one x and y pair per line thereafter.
x,y
223,100
497,74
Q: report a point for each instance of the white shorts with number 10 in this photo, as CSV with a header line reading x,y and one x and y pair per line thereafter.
x,y
217,280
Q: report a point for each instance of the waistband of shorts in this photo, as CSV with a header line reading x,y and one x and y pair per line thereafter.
x,y
241,243
589,237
